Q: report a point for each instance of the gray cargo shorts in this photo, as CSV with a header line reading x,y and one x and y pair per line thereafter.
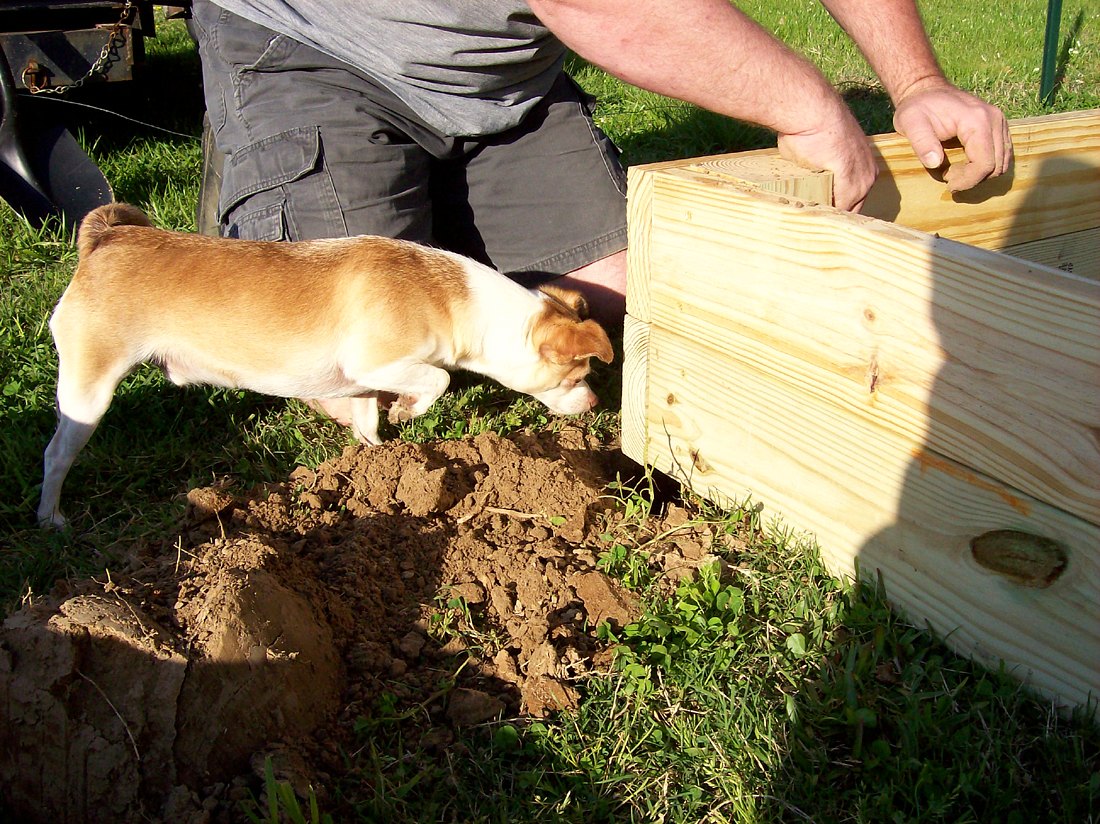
x,y
314,148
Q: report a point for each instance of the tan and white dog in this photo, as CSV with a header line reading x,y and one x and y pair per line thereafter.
x,y
342,318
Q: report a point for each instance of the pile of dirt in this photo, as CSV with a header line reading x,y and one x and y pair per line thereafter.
x,y
275,620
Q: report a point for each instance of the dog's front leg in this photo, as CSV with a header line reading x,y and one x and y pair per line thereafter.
x,y
420,388
416,384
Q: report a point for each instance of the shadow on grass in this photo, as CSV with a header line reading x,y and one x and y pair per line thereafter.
x,y
890,725
502,773
154,444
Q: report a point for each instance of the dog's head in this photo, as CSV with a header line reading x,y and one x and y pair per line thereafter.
x,y
565,340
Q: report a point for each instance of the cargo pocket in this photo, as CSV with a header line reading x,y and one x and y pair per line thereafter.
x,y
278,189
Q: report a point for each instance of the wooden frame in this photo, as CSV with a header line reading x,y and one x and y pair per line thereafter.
x,y
917,386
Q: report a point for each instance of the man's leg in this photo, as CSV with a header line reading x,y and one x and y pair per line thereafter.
x,y
603,283
311,148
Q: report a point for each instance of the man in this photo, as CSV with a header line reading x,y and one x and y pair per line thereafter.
x,y
453,123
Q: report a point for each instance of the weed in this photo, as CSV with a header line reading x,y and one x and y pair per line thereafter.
x,y
624,563
703,612
282,804
453,619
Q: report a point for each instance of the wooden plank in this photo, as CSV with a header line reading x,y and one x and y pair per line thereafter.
x,y
739,425
1050,191
1077,252
768,173
639,202
973,355
896,394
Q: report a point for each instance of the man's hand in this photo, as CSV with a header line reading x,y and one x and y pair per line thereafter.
x,y
930,115
840,147
928,109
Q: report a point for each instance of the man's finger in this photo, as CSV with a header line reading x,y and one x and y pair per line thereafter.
x,y
847,197
923,139
982,161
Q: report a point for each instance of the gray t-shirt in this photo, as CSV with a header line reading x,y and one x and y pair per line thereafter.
x,y
467,67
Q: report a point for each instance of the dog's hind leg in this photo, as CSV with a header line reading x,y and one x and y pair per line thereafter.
x,y
84,392
364,418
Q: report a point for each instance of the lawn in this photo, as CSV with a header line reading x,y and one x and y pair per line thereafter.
x,y
791,697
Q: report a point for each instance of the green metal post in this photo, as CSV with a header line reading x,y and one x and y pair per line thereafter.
x,y
1050,51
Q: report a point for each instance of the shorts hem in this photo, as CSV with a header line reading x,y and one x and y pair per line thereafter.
x,y
570,260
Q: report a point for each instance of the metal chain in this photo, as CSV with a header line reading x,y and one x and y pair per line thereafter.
x,y
100,66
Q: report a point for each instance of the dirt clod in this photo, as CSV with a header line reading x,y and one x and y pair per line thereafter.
x,y
468,707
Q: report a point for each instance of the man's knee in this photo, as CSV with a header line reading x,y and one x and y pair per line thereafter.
x,y
603,284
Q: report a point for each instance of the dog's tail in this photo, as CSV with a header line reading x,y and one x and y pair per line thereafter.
x,y
100,220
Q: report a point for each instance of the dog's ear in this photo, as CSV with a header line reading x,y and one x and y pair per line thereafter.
x,y
568,342
568,298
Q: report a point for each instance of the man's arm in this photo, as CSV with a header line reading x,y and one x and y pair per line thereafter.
x,y
709,53
928,109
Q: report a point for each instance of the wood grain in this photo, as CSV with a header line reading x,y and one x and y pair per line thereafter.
x,y
764,172
639,202
735,428
1053,188
635,388
990,361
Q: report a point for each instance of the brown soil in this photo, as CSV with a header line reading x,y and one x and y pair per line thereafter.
x,y
282,617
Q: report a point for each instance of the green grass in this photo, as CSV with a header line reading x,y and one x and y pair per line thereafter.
x,y
775,694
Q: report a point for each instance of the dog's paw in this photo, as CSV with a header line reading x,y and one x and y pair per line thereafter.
x,y
402,409
53,520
